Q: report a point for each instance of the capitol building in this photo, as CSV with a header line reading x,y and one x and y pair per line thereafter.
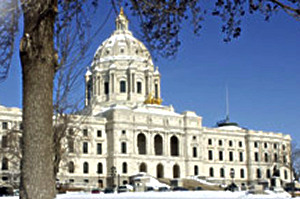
x,y
125,129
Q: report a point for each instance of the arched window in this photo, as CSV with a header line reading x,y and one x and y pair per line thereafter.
x,y
85,167
196,170
122,86
141,138
4,163
71,167
176,171
222,173
174,146
124,167
99,168
159,171
194,152
158,145
143,167
258,173
266,157
275,157
211,172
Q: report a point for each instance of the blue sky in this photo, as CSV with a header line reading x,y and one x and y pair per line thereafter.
x,y
261,69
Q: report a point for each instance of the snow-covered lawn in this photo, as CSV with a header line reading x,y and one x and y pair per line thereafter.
x,y
172,195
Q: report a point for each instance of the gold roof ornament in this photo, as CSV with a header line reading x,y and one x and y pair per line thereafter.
x,y
122,11
152,100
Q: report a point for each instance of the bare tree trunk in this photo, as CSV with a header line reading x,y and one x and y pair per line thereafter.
x,y
38,68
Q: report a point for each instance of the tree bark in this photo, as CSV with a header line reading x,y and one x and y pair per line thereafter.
x,y
38,62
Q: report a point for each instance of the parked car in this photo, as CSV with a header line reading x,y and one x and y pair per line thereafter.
x,y
162,189
232,187
179,189
108,190
95,191
198,188
149,189
122,189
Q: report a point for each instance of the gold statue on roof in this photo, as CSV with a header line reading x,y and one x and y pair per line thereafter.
x,y
152,100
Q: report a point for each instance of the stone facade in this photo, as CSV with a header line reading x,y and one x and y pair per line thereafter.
x,y
124,129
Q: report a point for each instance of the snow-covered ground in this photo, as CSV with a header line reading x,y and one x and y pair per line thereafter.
x,y
172,195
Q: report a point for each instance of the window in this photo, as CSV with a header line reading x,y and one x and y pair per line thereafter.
x,y
210,155
139,87
122,86
71,167
242,173
230,143
99,168
70,145
86,180
99,133
275,146
240,144
266,157
123,132
123,147
85,132
196,170
256,158
221,155
220,143
285,174
241,157
71,132
284,159
194,152
174,143
156,90
124,167
4,141
4,125
211,172
71,180
85,148
266,145
194,137
85,167
258,173
268,173
275,157
209,142
121,50
255,144
230,156
283,147
4,163
106,88
99,148
21,126
141,144
222,173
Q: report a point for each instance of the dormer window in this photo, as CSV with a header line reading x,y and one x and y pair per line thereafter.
x,y
121,50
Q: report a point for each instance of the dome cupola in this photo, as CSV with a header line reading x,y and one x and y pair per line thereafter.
x,y
122,71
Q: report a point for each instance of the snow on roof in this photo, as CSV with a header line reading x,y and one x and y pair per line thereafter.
x,y
230,128
155,109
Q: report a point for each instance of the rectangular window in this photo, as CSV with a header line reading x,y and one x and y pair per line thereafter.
x,y
194,152
256,157
122,87
209,142
255,144
242,173
4,125
230,156
106,88
221,155
4,141
241,157
99,148
139,87
220,143
85,132
156,90
99,133
230,143
123,147
85,148
210,155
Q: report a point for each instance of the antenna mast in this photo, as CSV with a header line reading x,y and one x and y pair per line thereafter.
x,y
227,105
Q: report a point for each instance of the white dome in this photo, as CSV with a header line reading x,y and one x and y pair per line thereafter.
x,y
122,46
